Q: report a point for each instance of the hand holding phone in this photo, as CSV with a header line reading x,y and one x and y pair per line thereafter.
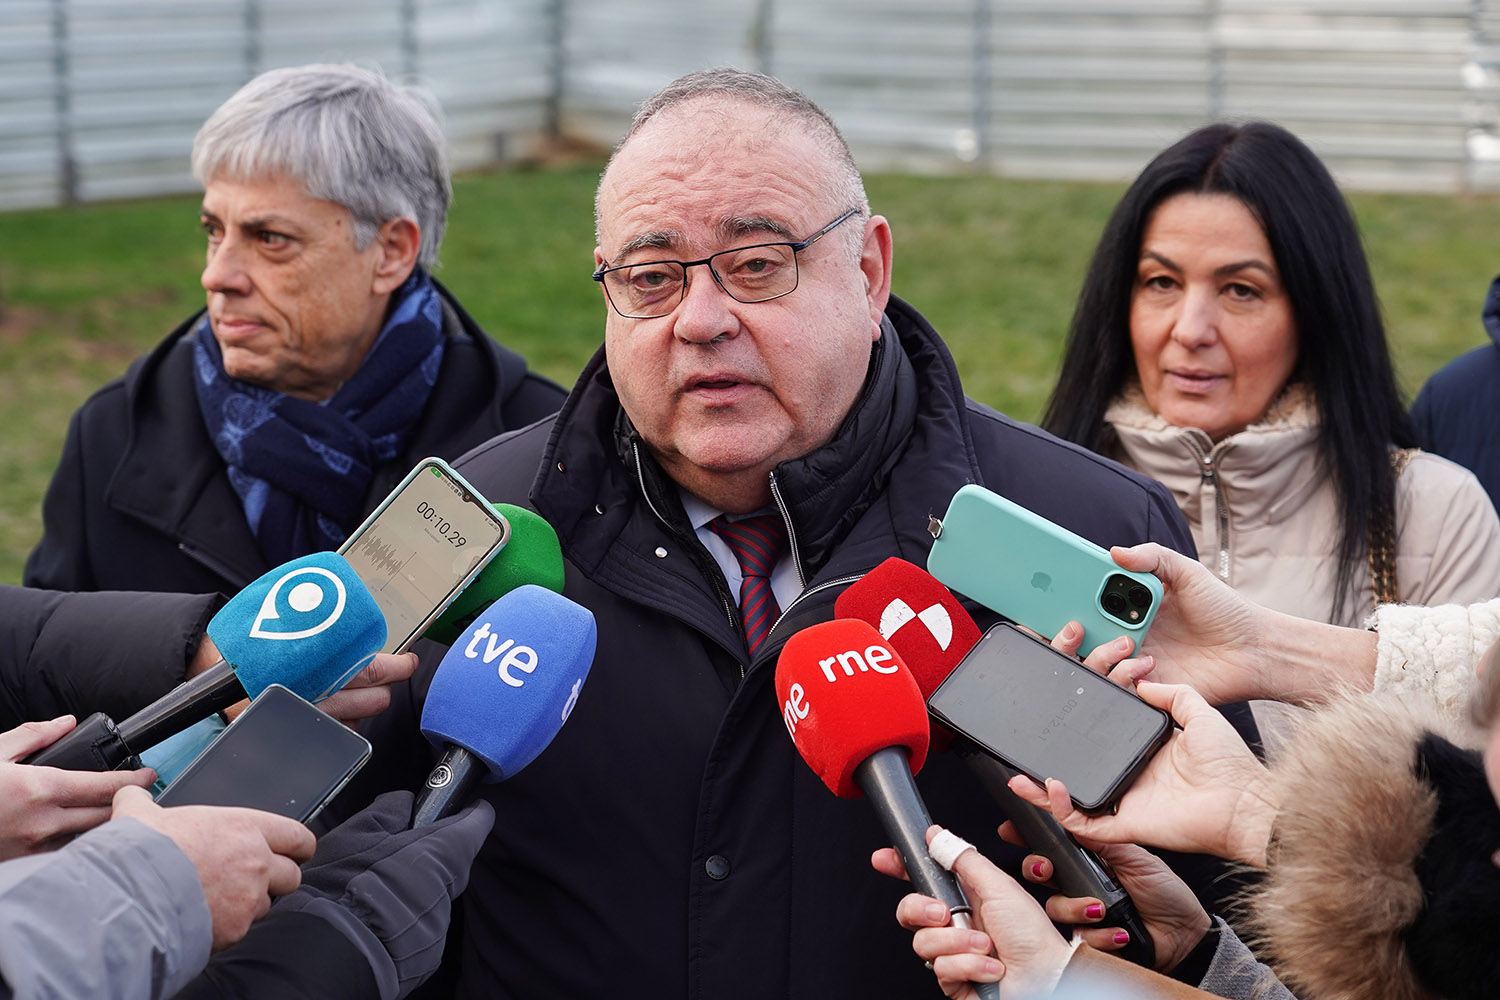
x,y
1048,716
282,755
422,546
1036,573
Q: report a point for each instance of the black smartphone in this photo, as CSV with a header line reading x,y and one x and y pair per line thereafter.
x,y
1048,716
420,548
282,754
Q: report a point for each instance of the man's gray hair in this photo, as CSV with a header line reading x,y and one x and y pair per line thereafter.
x,y
348,134
847,188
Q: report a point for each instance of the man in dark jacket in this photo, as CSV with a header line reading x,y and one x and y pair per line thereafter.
x,y
669,842
1455,413
327,363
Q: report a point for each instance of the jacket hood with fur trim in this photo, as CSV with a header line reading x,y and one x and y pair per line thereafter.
x,y
1380,875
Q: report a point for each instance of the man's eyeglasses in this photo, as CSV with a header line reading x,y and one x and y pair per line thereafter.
x,y
756,273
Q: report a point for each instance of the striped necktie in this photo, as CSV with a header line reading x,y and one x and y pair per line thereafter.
x,y
757,544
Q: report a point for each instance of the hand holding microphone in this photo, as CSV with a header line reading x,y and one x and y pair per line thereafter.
x,y
931,630
309,625
857,717
40,810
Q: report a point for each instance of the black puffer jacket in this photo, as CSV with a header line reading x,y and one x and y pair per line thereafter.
x,y
142,501
83,653
670,842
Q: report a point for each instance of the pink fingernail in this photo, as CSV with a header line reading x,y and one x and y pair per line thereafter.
x,y
1036,869
1122,937
1093,911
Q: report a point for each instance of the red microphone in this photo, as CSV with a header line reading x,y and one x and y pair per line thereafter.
x,y
930,630
859,720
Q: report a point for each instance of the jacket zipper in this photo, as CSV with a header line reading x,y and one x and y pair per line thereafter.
x,y
791,535
724,605
840,582
1210,475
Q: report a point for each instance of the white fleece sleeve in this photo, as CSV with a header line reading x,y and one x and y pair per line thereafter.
x,y
1430,653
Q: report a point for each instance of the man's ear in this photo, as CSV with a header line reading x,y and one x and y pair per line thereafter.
x,y
398,242
875,265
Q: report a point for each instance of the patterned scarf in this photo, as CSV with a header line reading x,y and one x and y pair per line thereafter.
x,y
300,468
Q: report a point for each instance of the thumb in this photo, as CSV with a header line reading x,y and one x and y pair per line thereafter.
x,y
1143,558
29,737
132,801
1180,701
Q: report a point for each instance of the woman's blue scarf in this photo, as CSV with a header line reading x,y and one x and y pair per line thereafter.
x,y
300,468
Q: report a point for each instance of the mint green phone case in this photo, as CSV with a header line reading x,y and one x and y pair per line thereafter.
x,y
1036,573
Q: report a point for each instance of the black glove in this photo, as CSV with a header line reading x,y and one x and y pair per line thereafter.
x,y
390,890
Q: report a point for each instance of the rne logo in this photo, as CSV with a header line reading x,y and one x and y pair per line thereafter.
x,y
876,658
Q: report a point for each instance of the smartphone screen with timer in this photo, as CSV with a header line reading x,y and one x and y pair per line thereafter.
x,y
422,546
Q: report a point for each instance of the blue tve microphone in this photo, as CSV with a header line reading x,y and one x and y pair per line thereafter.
x,y
502,692
309,625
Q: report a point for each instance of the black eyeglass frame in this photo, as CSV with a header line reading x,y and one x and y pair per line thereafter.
x,y
796,246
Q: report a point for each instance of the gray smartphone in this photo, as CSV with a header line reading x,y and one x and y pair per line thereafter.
x,y
282,754
1046,715
422,546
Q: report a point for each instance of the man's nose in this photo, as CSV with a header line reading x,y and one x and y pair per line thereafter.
x,y
224,270
706,311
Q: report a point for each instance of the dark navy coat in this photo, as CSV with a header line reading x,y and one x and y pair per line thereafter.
x,y
1457,413
670,842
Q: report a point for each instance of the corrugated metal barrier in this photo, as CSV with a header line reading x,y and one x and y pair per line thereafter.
x,y
101,98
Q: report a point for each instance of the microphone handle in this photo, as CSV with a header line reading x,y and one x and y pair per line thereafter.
x,y
1076,870
92,745
885,777
451,784
193,701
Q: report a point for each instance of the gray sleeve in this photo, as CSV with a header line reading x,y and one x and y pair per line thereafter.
x,y
1235,974
119,912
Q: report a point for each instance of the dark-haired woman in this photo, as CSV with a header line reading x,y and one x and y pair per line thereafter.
x,y
1228,342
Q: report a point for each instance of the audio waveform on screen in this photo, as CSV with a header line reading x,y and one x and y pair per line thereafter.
x,y
382,557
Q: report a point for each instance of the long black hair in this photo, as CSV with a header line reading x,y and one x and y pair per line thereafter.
x,y
1342,352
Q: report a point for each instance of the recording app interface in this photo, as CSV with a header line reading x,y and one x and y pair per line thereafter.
x,y
429,537
1045,715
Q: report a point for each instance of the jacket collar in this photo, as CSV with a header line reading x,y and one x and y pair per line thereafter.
x,y
171,478
1262,470
595,473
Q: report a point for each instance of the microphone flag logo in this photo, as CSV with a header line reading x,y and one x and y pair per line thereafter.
x,y
315,599
935,617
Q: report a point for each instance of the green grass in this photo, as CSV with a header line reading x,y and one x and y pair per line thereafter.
x,y
995,264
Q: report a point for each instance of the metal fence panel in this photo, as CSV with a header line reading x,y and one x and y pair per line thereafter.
x,y
100,98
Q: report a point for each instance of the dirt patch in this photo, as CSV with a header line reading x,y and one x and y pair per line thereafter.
x,y
19,322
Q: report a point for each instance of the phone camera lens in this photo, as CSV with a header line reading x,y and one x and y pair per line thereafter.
x,y
1140,597
1114,603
